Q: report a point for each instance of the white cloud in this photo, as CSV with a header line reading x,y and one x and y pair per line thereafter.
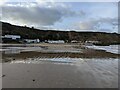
x,y
96,24
46,13
2,2
32,13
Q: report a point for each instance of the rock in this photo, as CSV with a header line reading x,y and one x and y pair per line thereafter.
x,y
3,75
13,58
33,80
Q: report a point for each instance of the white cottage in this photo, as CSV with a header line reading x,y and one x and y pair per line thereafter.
x,y
57,41
14,37
32,40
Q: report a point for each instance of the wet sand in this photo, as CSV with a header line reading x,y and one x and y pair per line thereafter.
x,y
35,69
53,51
88,54
90,73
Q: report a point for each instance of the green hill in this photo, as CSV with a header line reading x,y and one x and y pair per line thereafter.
x,y
32,33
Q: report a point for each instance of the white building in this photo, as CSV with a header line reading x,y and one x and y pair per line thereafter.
x,y
57,41
75,41
32,40
90,43
14,37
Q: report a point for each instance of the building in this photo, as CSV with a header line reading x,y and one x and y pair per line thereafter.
x,y
90,43
57,41
13,37
75,41
31,40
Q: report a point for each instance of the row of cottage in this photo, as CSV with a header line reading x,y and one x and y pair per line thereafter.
x,y
18,39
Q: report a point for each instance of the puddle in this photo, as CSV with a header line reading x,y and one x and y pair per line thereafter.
x,y
65,60
79,72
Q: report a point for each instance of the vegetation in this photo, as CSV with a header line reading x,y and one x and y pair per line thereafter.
x,y
32,33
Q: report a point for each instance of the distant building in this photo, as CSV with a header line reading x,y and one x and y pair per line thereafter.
x,y
91,42
10,38
14,37
57,41
31,40
75,41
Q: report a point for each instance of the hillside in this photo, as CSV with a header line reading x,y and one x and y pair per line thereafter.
x,y
32,33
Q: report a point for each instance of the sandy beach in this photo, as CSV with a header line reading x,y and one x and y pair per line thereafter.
x,y
58,66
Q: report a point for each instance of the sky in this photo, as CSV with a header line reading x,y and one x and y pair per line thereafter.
x,y
62,15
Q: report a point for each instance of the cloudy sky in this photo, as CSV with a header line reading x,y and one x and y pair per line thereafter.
x,y
77,16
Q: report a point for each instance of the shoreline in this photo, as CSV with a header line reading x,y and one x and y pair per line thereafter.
x,y
44,50
33,68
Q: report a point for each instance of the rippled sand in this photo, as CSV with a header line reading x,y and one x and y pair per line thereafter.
x,y
35,69
61,73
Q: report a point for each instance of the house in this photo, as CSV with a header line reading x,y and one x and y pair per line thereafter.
x,y
13,37
57,41
10,38
75,41
31,40
90,43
